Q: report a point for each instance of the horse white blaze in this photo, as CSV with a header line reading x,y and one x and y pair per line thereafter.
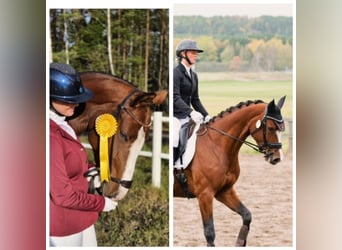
x,y
131,160
280,150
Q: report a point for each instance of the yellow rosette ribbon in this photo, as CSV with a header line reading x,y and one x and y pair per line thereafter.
x,y
105,126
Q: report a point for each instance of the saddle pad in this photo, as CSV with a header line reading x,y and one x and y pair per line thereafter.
x,y
189,151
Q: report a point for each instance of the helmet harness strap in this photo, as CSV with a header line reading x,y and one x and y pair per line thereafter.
x,y
186,57
53,109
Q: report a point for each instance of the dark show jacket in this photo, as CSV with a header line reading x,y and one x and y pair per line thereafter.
x,y
185,93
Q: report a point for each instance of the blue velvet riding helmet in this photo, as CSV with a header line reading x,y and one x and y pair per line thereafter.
x,y
66,85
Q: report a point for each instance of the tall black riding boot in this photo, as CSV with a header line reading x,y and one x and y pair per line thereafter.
x,y
175,155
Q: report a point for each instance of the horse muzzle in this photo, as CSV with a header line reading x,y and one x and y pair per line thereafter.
x,y
273,156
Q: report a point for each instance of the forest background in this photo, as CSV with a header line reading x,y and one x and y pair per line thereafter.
x,y
132,44
239,43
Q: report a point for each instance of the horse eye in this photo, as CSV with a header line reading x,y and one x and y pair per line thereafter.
x,y
272,129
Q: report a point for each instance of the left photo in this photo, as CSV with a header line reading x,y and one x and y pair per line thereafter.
x,y
108,110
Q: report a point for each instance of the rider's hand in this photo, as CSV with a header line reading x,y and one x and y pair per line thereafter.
x,y
196,116
109,205
207,119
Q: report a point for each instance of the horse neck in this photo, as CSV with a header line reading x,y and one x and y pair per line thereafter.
x,y
106,99
237,124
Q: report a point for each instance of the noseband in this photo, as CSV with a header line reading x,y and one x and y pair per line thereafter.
x,y
266,146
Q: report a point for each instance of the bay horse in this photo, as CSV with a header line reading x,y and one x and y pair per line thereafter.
x,y
215,166
132,109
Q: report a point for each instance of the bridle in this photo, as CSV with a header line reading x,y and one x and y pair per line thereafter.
x,y
122,107
266,146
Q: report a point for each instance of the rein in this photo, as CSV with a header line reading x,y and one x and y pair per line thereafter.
x,y
266,145
250,144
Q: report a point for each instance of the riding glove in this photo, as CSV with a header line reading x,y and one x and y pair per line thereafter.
x,y
207,119
109,205
196,116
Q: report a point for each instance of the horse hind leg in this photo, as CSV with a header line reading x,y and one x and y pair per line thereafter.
x,y
230,199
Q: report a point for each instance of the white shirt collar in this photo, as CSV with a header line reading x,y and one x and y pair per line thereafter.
x,y
56,118
60,121
187,68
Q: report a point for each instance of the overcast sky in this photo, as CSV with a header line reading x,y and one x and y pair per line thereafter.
x,y
250,10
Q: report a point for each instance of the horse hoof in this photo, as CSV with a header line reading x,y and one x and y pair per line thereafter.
x,y
210,244
241,243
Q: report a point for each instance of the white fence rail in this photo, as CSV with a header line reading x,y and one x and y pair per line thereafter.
x,y
156,153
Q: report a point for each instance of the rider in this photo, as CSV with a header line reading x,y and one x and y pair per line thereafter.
x,y
73,211
186,101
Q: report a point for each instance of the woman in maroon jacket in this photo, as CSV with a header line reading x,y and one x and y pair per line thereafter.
x,y
73,211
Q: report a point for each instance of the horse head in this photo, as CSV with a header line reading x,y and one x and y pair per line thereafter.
x,y
132,109
134,116
266,132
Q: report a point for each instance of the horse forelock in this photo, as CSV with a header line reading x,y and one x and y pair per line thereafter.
x,y
237,107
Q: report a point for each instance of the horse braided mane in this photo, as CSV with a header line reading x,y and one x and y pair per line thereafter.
x,y
236,107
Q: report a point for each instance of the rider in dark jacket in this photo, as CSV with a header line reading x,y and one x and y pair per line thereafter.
x,y
186,101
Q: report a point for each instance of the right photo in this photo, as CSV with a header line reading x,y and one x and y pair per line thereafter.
x,y
233,123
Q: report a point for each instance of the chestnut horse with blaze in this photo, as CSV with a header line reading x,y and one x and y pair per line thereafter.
x,y
132,109
215,165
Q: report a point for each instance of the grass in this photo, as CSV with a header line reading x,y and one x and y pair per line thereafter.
x,y
218,95
142,217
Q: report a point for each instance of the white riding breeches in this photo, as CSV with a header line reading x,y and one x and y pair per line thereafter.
x,y
177,124
86,238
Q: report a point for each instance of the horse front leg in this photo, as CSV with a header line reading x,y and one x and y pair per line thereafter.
x,y
206,207
230,199
246,218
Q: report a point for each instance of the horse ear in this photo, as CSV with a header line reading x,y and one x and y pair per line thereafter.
x,y
143,99
281,102
160,97
271,105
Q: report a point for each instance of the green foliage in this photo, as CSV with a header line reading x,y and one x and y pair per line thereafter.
x,y
234,28
142,217
263,43
80,37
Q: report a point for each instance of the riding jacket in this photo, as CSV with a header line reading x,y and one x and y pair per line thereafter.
x,y
185,93
72,209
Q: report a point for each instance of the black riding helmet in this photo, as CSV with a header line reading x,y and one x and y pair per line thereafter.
x,y
66,85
